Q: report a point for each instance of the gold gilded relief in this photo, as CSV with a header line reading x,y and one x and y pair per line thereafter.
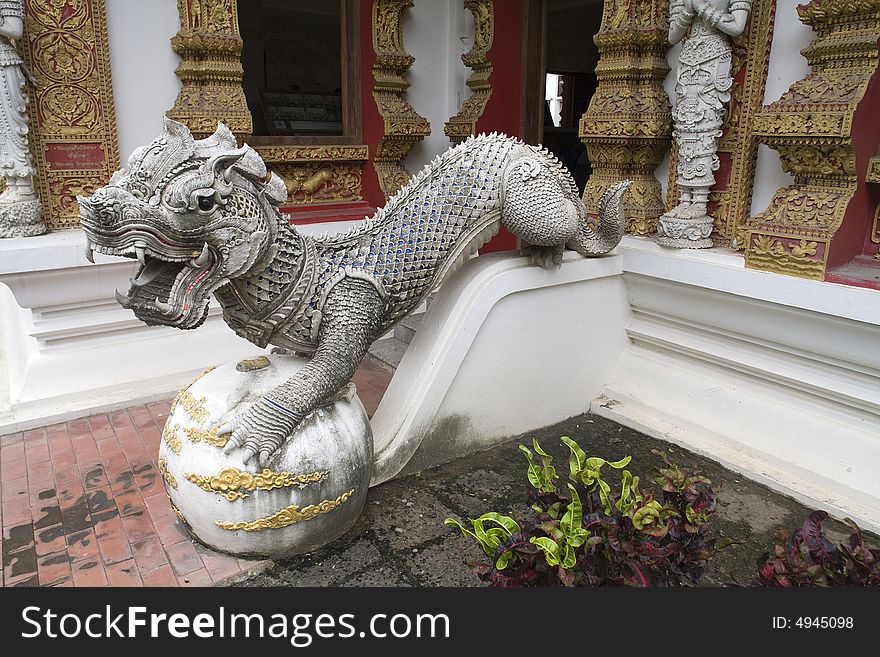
x,y
290,515
464,123
166,474
318,174
811,128
628,125
234,484
209,45
403,126
210,437
195,408
72,116
169,435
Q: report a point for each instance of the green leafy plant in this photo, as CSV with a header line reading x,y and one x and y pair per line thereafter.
x,y
593,533
806,558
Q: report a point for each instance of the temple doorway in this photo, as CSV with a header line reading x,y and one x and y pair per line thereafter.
x,y
561,65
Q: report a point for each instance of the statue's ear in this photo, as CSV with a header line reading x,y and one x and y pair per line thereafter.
x,y
245,161
275,189
221,140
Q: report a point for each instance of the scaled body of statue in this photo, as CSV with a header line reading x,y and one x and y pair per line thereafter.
x,y
702,90
20,210
202,218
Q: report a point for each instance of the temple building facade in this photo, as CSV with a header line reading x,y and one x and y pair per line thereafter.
x,y
760,352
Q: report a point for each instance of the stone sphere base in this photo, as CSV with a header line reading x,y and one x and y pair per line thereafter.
x,y
313,489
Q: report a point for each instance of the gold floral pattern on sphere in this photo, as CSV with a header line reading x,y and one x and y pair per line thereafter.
x,y
290,515
811,127
234,484
72,113
169,435
166,473
209,436
627,126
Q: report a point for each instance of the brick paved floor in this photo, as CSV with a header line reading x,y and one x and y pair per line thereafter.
x,y
81,504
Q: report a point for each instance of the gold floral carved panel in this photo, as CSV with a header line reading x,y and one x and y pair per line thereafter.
x,y
72,116
810,127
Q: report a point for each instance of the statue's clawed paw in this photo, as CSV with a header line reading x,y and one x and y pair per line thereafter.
x,y
547,257
260,431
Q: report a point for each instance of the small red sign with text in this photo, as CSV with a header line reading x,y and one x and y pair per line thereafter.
x,y
75,157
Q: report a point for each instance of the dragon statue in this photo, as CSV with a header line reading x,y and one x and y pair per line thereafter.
x,y
202,218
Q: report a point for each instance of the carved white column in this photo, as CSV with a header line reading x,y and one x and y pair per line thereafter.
x,y
702,92
20,209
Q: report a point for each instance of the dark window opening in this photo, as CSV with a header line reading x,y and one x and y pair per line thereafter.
x,y
570,80
293,66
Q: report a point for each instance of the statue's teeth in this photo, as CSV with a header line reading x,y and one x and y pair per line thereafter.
x,y
140,248
162,307
202,259
122,299
90,250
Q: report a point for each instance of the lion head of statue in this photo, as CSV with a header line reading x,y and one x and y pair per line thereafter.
x,y
194,213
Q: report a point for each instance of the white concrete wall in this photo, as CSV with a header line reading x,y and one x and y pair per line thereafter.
x,y
142,65
436,33
787,65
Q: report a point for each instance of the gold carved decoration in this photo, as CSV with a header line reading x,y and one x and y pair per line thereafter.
x,y
209,44
318,174
209,437
627,127
169,435
403,126
811,128
72,116
166,474
730,200
232,483
287,516
873,173
875,229
464,123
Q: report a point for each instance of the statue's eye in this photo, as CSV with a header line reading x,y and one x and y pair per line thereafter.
x,y
206,203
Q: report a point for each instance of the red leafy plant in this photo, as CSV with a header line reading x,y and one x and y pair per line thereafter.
x,y
807,558
588,534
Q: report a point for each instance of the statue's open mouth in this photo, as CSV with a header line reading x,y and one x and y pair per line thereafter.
x,y
172,284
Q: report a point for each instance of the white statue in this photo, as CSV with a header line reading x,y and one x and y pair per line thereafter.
x,y
20,209
702,91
